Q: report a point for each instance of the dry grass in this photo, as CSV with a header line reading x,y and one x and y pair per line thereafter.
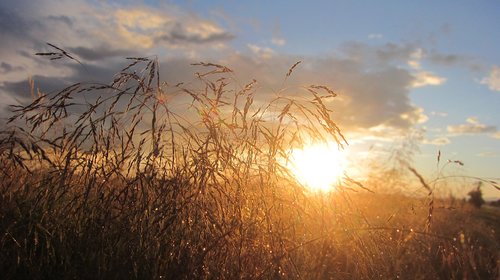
x,y
141,179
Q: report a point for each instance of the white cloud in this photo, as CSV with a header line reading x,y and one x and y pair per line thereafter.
x,y
263,52
473,126
425,78
439,141
473,120
493,80
278,41
439,114
417,116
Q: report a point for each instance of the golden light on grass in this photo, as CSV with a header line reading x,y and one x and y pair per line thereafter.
x,y
318,166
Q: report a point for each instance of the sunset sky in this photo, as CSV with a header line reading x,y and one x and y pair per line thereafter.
x,y
430,69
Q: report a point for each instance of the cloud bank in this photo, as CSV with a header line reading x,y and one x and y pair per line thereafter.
x,y
373,82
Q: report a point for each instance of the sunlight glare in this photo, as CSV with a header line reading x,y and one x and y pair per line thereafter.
x,y
318,166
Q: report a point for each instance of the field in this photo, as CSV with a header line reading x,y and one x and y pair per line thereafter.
x,y
142,179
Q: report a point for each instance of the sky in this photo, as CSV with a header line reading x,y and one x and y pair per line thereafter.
x,y
425,72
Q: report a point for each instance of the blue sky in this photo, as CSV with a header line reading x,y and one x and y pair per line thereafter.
x,y
430,69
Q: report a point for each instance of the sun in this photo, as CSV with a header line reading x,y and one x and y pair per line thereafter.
x,y
317,166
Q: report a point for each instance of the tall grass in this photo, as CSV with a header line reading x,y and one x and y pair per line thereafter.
x,y
141,179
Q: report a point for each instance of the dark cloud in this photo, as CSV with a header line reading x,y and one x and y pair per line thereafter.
x,y
391,52
61,18
12,24
7,68
454,60
21,90
100,53
366,98
447,59
86,73
179,34
379,56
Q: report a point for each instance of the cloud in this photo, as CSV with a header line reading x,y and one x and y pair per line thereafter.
x,y
493,80
90,25
388,53
454,60
144,27
263,52
447,59
439,114
473,126
488,154
392,55
373,89
415,58
6,68
367,99
440,141
425,78
96,32
422,78
375,36
22,92
496,135
99,52
278,41
416,116
194,33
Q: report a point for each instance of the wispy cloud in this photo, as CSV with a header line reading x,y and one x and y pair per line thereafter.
x,y
488,154
278,41
472,126
415,58
493,80
439,141
375,36
262,52
439,114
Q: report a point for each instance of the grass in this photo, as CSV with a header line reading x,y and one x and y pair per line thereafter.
x,y
139,179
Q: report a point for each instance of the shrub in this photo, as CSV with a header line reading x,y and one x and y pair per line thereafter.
x,y
476,196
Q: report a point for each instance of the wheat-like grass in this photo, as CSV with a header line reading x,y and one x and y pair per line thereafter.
x,y
140,179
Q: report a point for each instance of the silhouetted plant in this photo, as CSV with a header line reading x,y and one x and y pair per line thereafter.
x,y
476,196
